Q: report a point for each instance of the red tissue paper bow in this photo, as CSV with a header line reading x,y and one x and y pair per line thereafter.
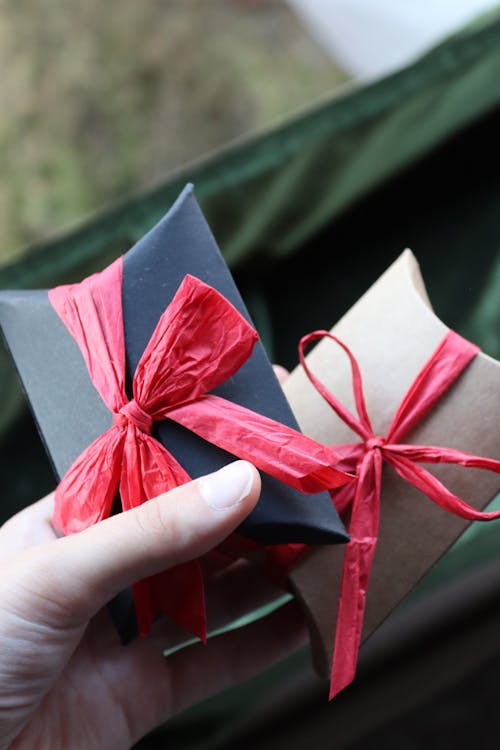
x,y
199,342
366,458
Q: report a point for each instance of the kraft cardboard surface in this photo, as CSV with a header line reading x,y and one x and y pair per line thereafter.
x,y
392,331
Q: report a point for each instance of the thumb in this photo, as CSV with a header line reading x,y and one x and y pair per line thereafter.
x,y
68,580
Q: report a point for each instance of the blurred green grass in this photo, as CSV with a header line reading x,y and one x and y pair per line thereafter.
x,y
99,100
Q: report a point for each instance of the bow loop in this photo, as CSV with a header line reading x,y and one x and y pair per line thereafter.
x,y
362,426
199,342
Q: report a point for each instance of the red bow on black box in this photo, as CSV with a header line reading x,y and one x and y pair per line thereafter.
x,y
198,343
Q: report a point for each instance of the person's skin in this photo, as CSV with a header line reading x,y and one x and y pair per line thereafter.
x,y
65,679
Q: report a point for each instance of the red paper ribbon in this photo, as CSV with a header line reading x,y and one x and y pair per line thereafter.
x,y
366,458
199,342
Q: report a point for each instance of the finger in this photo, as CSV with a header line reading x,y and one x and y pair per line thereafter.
x,y
164,687
72,578
281,373
27,528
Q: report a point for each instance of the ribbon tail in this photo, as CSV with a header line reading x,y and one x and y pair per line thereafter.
x,y
148,470
86,493
356,572
280,451
179,593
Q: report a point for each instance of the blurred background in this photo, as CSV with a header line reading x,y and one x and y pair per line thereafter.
x,y
102,99
323,137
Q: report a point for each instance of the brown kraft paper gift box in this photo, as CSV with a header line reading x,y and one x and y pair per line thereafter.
x,y
392,331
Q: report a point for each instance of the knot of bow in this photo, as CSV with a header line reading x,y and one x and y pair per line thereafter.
x,y
133,413
374,442
199,342
366,458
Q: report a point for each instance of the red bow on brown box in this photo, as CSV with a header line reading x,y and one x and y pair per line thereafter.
x,y
423,385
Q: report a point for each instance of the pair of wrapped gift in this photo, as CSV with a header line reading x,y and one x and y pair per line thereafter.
x,y
150,373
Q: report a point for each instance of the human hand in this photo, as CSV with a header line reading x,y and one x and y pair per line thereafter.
x,y
65,679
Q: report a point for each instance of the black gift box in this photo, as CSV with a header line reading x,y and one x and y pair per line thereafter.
x,y
70,413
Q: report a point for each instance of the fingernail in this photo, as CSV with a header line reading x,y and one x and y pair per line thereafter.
x,y
228,486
